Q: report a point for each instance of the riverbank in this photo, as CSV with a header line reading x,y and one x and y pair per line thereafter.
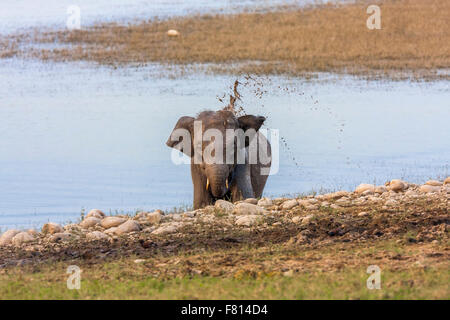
x,y
412,43
308,247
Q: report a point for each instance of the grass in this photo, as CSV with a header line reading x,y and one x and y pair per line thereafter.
x,y
331,272
414,39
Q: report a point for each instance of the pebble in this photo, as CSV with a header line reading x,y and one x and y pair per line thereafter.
x,y
433,183
362,214
154,217
397,185
52,228
173,33
110,222
447,180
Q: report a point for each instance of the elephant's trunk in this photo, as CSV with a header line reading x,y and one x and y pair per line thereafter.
x,y
218,179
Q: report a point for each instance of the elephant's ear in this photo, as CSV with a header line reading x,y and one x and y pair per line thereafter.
x,y
251,122
181,136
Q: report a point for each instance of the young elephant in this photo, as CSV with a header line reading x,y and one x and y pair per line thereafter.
x,y
239,176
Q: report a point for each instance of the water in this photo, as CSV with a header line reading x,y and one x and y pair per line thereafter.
x,y
76,136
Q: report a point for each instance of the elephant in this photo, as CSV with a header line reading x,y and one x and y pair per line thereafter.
x,y
234,179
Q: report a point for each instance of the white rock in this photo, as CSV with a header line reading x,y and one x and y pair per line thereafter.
x,y
96,213
96,235
429,189
224,206
52,228
127,227
110,222
265,202
397,185
173,33
434,183
289,204
22,237
247,220
137,261
90,222
6,237
248,208
364,187
154,217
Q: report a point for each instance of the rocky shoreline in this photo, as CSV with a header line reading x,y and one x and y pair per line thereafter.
x,y
398,208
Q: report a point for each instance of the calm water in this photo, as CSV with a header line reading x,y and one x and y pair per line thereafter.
x,y
76,136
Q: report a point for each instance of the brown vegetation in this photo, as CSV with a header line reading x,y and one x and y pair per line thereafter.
x,y
414,38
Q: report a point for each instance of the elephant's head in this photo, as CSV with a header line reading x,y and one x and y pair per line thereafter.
x,y
202,132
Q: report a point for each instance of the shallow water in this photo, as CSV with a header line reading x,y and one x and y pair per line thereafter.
x,y
76,136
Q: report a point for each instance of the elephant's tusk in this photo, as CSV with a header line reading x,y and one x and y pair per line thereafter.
x,y
207,184
226,183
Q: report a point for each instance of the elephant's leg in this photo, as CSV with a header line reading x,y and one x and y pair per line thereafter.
x,y
202,197
242,187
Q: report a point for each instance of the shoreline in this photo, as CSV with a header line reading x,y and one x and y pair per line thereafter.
x,y
288,42
261,239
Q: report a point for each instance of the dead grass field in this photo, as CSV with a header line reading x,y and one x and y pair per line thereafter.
x,y
414,41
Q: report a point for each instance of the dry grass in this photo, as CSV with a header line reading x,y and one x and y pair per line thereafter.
x,y
414,39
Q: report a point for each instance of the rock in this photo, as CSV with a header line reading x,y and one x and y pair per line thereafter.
x,y
362,214
307,219
248,208
397,185
364,187
251,200
167,229
335,195
289,204
335,206
97,235
173,33
303,202
429,189
127,227
22,237
52,228
433,183
154,217
325,204
33,232
368,192
380,189
247,220
447,180
90,222
224,206
110,222
61,236
96,213
343,202
265,202
6,237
